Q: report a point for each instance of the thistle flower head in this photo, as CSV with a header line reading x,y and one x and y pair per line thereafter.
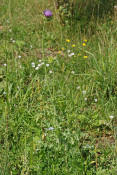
x,y
47,13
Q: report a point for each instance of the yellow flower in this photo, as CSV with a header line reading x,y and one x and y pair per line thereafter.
x,y
85,56
63,48
67,40
85,40
84,44
59,52
73,45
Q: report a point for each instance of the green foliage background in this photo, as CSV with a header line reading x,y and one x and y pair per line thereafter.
x,y
79,9
58,113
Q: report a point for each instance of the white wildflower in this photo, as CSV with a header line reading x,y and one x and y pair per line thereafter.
x,y
50,129
95,100
37,68
71,54
85,99
72,72
5,64
39,65
111,117
47,65
42,63
84,92
68,51
19,56
33,64
50,72
78,87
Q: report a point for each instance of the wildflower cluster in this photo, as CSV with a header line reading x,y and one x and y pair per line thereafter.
x,y
42,64
76,50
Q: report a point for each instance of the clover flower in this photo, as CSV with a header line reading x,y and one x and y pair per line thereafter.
x,y
47,13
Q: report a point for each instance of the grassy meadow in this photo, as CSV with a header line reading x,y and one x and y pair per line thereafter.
x,y
58,92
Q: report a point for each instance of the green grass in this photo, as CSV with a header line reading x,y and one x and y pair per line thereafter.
x,y
54,108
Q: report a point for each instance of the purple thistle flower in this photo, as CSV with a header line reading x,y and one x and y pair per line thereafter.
x,y
48,13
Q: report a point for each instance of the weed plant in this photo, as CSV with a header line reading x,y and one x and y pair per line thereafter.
x,y
58,93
